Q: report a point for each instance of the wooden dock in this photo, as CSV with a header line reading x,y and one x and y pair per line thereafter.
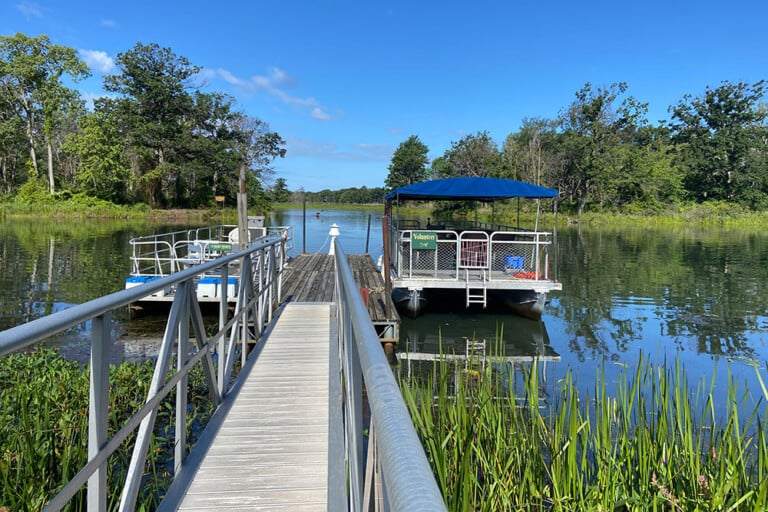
x,y
312,277
267,447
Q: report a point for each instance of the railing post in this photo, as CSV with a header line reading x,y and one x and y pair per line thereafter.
x,y
138,458
98,405
182,355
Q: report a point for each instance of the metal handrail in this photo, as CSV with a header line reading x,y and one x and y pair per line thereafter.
x,y
395,474
259,292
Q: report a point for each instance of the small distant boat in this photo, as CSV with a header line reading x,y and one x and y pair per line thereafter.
x,y
484,260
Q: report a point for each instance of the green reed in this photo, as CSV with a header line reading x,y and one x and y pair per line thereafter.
x,y
655,444
44,429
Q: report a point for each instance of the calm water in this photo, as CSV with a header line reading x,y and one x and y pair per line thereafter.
x,y
696,296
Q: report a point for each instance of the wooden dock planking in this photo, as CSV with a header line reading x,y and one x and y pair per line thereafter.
x,y
311,278
271,450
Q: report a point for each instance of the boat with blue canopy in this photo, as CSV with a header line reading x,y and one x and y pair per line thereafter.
x,y
480,261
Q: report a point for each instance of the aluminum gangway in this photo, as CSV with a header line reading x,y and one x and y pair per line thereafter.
x,y
391,474
267,448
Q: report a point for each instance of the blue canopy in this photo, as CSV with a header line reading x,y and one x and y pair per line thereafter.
x,y
470,189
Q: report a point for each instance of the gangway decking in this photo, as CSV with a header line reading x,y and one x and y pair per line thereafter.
x,y
272,432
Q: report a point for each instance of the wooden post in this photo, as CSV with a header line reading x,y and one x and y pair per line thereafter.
x,y
242,211
386,263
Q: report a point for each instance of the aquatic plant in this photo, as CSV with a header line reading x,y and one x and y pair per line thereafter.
x,y
656,444
44,428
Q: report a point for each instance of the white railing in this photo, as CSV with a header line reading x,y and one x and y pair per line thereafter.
x,y
394,474
260,275
502,255
163,254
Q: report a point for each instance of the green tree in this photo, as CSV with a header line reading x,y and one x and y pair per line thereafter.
x,y
474,155
31,72
258,147
103,170
529,154
721,140
152,104
13,147
592,131
280,192
409,163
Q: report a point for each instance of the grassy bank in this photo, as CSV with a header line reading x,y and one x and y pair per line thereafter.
x,y
715,215
44,429
656,445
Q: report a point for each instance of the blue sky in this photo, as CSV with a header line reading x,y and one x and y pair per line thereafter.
x,y
344,83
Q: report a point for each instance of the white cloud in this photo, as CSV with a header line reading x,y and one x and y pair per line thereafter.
x,y
210,74
274,84
108,23
30,10
328,150
320,114
98,60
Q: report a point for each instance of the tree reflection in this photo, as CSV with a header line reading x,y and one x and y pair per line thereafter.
x,y
699,291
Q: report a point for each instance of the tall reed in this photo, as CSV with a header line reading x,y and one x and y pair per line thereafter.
x,y
652,444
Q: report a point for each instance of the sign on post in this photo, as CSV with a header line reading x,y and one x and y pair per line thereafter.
x,y
424,240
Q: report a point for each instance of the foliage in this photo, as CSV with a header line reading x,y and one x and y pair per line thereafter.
x,y
409,163
653,446
280,192
362,195
156,139
31,90
528,153
44,428
104,169
473,155
159,140
722,138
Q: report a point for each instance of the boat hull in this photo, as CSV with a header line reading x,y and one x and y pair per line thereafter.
x,y
528,304
525,303
409,302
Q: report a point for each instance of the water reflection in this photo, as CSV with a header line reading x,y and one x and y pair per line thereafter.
x,y
696,296
512,346
701,291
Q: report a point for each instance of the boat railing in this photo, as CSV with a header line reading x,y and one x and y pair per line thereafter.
x,y
163,254
450,254
186,343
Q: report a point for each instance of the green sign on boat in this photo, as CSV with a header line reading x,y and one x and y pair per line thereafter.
x,y
424,240
220,247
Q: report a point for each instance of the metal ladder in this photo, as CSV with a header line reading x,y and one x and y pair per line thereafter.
x,y
476,295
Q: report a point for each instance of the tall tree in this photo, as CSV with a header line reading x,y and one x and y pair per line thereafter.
x,y
409,163
152,106
13,147
722,141
474,155
593,129
280,192
529,154
31,71
103,170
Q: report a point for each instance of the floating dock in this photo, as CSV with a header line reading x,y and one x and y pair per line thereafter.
x,y
312,278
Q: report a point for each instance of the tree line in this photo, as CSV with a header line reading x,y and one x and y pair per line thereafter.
x,y
602,153
155,139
